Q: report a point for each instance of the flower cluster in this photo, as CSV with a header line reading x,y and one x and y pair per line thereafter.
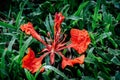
x,y
79,41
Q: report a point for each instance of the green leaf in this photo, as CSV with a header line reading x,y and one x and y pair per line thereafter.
x,y
13,62
114,51
3,68
24,47
29,75
79,73
90,57
65,9
88,78
104,56
103,36
57,71
6,25
21,40
11,43
49,24
115,60
74,18
81,6
92,38
45,76
96,15
2,64
117,75
118,17
113,42
18,18
107,28
102,75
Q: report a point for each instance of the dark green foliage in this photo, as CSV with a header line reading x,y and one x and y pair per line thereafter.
x,y
100,17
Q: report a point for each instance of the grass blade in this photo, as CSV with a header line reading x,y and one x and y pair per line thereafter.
x,y
29,75
20,13
6,25
81,6
57,71
24,47
3,66
11,43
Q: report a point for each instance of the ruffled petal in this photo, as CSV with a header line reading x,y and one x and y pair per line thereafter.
x,y
71,62
31,63
78,60
58,18
29,29
57,22
79,40
66,62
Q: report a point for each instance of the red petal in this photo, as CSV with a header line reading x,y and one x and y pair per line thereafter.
x,y
52,58
59,18
78,60
29,29
71,62
66,62
79,40
31,63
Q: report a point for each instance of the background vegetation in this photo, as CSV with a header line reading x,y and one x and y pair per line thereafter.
x,y
100,17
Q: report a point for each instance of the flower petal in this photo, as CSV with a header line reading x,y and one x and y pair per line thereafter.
x,y
58,18
78,60
66,62
79,40
71,62
31,63
57,28
29,29
52,57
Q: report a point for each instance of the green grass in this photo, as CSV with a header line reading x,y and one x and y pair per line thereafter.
x,y
101,18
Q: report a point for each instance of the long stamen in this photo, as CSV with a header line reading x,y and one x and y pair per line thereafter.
x,y
63,39
61,54
68,46
44,50
44,55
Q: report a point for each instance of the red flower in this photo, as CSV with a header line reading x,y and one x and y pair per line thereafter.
x,y
80,40
31,63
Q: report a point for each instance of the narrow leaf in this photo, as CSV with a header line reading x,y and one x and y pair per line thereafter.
x,y
81,6
115,60
29,75
7,25
24,47
57,71
11,43
20,13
